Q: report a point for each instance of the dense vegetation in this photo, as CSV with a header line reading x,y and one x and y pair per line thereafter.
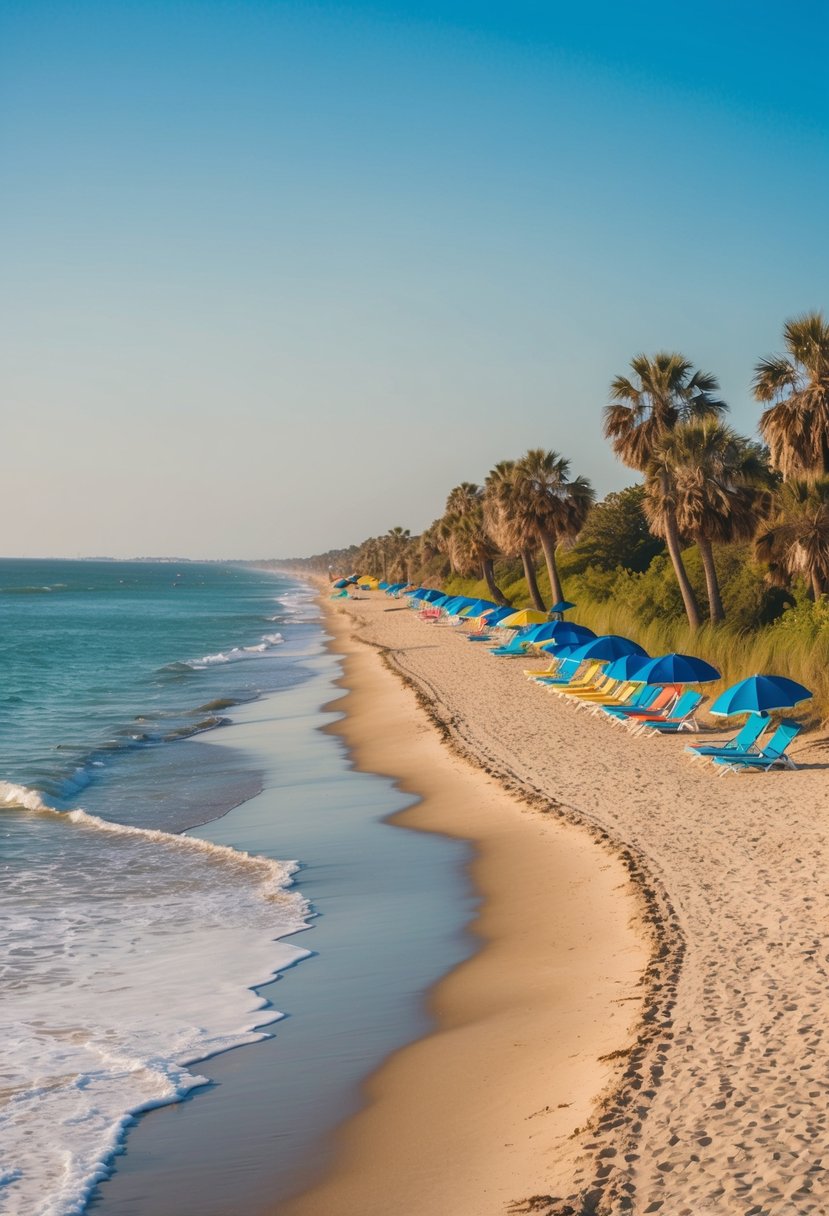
x,y
722,546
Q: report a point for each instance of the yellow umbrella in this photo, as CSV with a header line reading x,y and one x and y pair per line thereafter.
x,y
527,616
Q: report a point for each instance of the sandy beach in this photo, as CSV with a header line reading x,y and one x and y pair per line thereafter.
x,y
481,1113
635,906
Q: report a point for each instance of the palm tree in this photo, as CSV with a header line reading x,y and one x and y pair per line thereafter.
x,y
796,423
554,507
665,391
396,546
797,539
463,533
718,489
507,524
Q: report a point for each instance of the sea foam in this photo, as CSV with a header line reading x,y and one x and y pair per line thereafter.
x,y
144,966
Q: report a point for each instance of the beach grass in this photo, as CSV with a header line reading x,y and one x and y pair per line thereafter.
x,y
796,646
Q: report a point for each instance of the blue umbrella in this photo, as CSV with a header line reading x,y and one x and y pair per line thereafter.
x,y
340,583
566,632
479,607
558,631
678,669
562,606
758,694
383,586
498,614
565,651
627,667
611,646
453,605
461,602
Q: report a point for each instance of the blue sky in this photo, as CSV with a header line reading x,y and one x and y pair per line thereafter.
x,y
279,275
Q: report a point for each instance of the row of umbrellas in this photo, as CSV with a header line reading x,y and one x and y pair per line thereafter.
x,y
627,660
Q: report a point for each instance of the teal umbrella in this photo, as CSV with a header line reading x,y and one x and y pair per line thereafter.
x,y
758,695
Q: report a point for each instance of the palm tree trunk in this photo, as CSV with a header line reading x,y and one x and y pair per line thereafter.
x,y
548,544
685,588
817,588
529,575
716,612
488,571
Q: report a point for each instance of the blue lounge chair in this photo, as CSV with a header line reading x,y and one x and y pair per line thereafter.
x,y
742,744
773,753
680,718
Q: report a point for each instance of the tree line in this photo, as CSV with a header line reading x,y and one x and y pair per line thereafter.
x,y
702,484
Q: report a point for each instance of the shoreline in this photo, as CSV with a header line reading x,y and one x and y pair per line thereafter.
x,y
512,1072
722,1103
262,1128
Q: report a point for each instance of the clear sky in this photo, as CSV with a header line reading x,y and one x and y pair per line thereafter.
x,y
276,276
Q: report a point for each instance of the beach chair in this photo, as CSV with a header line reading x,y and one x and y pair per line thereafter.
x,y
772,754
680,718
597,685
429,614
581,676
617,694
742,744
642,697
515,646
532,673
666,696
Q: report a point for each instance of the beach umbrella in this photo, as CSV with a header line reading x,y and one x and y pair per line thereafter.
x,y
565,651
627,667
562,606
383,585
563,632
497,615
558,631
340,583
758,695
458,604
478,608
611,646
678,669
527,616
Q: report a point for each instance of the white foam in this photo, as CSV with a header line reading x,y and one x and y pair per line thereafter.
x,y
236,653
129,954
20,795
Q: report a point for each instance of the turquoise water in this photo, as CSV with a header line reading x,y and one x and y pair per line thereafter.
x,y
138,700
129,950
99,658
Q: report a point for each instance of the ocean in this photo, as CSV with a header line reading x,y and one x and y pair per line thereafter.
x,y
175,832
